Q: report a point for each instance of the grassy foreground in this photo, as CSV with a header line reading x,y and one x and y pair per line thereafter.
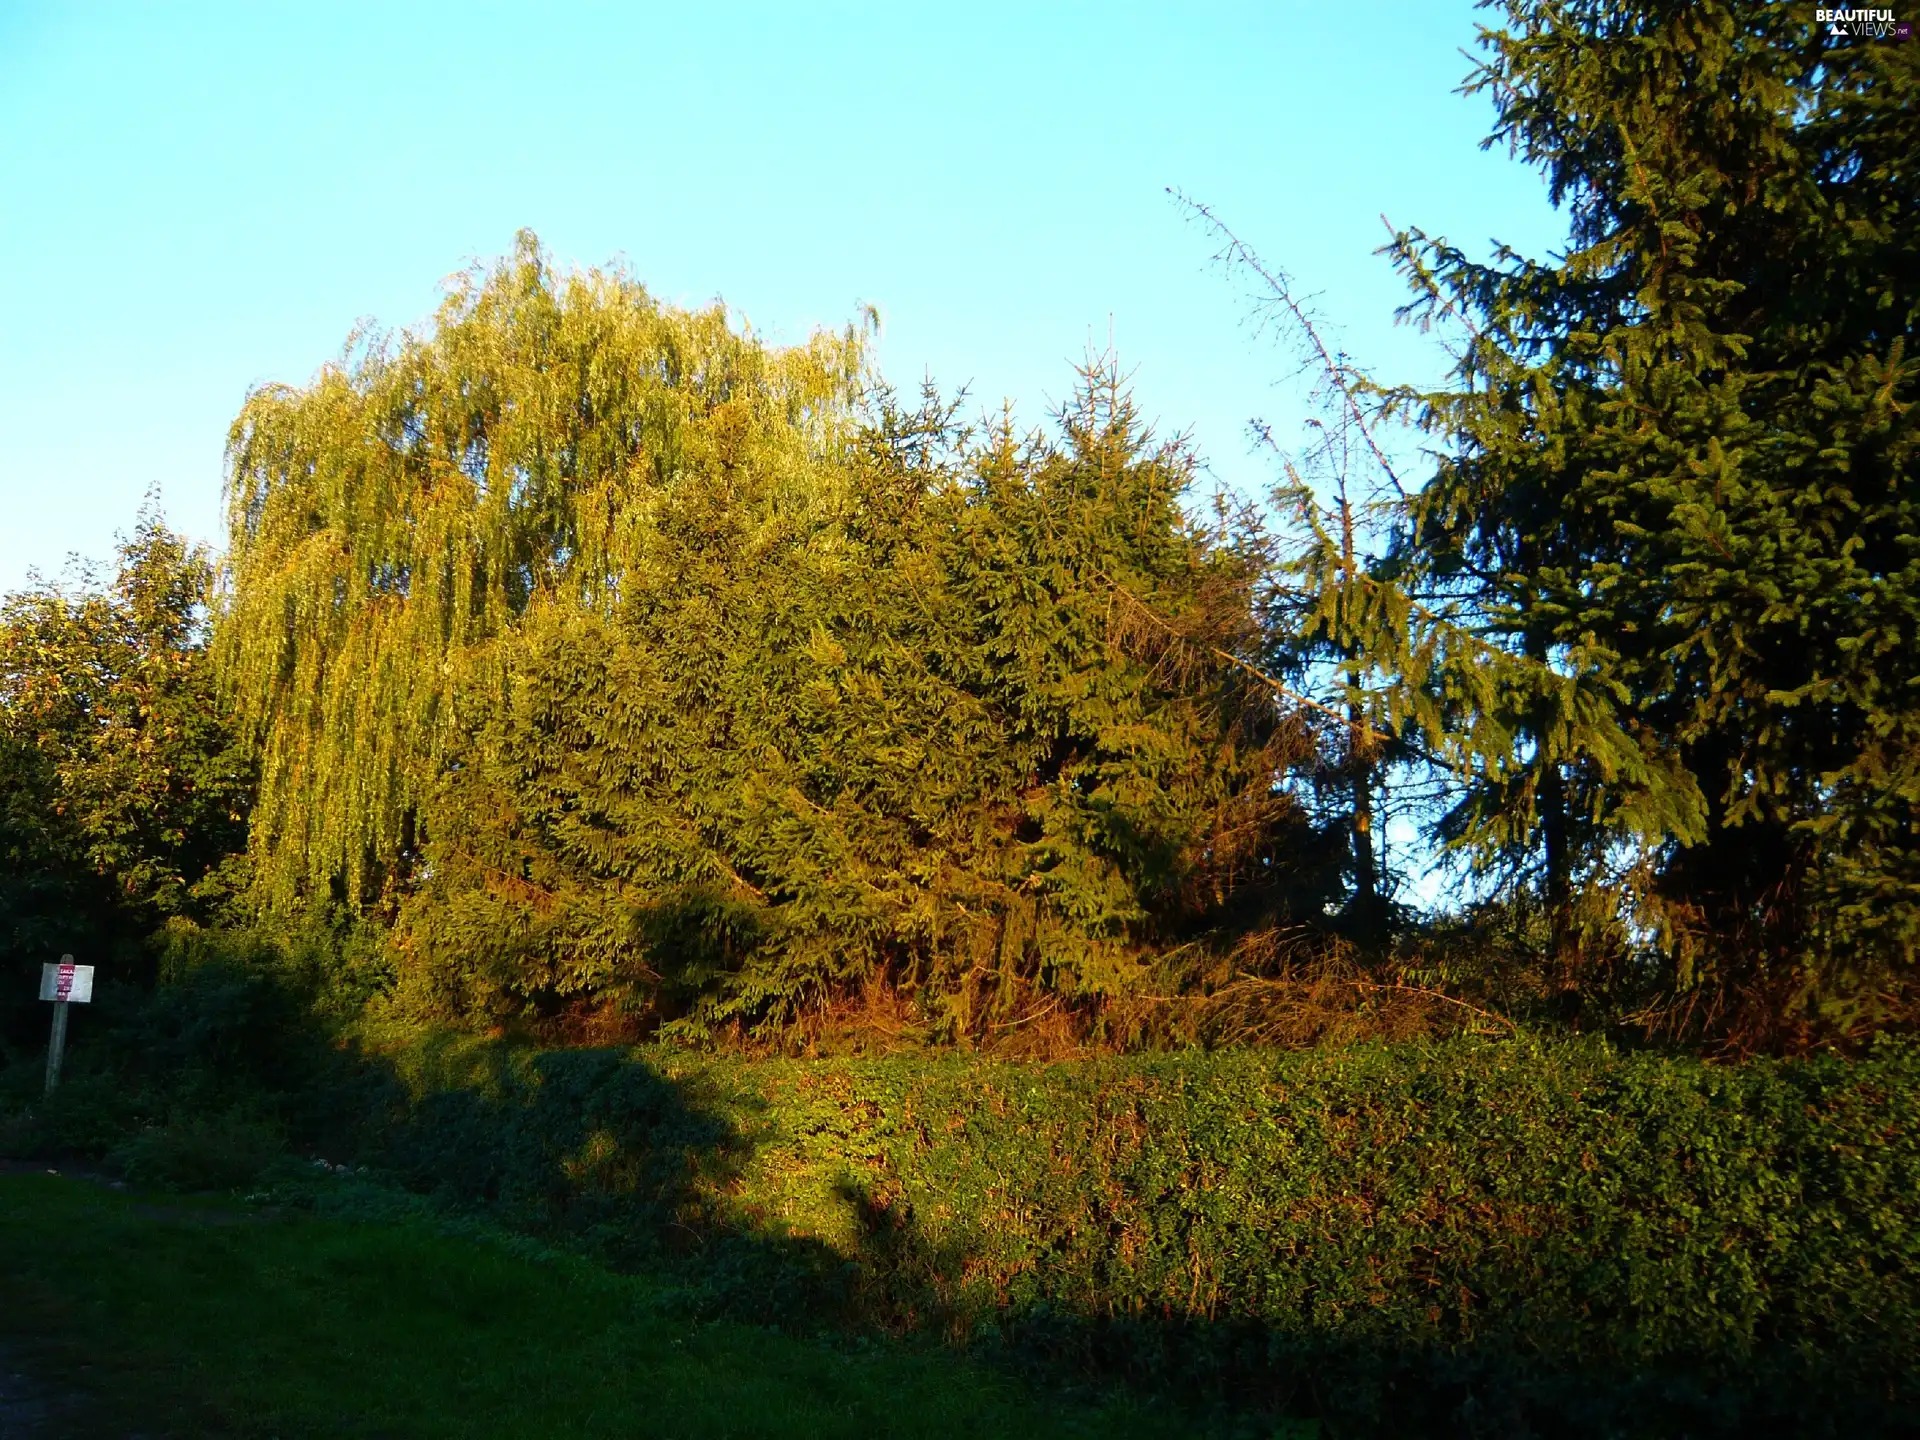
x,y
1534,1236
195,1318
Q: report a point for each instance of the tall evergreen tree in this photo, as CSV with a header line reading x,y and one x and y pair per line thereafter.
x,y
1682,453
1429,673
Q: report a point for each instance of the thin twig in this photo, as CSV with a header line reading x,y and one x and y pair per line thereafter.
x,y
1263,982
1239,251
1438,995
1230,658
1052,1005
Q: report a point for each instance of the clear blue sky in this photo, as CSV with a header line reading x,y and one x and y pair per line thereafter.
x,y
195,199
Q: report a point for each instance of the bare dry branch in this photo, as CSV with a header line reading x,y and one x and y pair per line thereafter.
x,y
1238,252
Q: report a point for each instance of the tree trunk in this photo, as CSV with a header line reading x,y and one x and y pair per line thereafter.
x,y
1553,825
1366,866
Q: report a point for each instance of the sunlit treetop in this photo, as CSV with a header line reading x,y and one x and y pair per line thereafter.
x,y
390,518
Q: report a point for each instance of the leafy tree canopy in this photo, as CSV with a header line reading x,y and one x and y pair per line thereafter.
x,y
123,795
618,655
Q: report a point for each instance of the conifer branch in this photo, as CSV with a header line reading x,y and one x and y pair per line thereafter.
x,y
1143,612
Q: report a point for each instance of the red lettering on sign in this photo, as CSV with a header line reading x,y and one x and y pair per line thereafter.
x,y
64,988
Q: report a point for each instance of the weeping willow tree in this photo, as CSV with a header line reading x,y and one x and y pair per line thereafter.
x,y
393,519
616,657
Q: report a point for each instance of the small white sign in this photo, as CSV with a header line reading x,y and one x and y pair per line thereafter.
x,y
67,981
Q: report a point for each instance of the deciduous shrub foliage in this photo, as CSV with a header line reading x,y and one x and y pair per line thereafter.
x,y
123,792
1448,1239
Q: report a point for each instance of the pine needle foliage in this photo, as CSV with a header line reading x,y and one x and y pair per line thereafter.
x,y
1447,700
1680,457
623,659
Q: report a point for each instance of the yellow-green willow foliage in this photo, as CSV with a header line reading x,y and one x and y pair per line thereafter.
x,y
390,520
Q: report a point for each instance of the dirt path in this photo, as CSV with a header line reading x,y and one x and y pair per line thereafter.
x,y
60,1168
28,1410
33,1410
204,1214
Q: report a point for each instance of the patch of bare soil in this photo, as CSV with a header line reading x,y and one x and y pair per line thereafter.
x,y
30,1410
145,1210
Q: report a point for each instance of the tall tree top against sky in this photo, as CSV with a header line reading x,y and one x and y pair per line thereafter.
x,y
205,198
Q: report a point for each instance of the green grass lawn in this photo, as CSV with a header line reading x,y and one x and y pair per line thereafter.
x,y
189,1318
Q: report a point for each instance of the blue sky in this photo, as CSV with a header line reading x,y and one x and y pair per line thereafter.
x,y
195,199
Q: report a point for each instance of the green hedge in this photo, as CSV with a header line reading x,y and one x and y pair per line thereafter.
x,y
1460,1238
1487,1238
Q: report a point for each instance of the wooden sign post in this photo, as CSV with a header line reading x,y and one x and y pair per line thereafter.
x,y
64,984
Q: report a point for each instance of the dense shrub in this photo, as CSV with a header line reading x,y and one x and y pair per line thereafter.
x,y
222,1152
1460,1238
218,1059
625,662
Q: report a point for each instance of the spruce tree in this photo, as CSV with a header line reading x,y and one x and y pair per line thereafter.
x,y
1682,454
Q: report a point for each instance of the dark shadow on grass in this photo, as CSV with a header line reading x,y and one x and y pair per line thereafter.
x,y
599,1151
1509,1383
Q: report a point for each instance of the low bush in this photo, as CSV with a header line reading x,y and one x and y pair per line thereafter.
x,y
87,1116
221,1152
165,1078
1455,1238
